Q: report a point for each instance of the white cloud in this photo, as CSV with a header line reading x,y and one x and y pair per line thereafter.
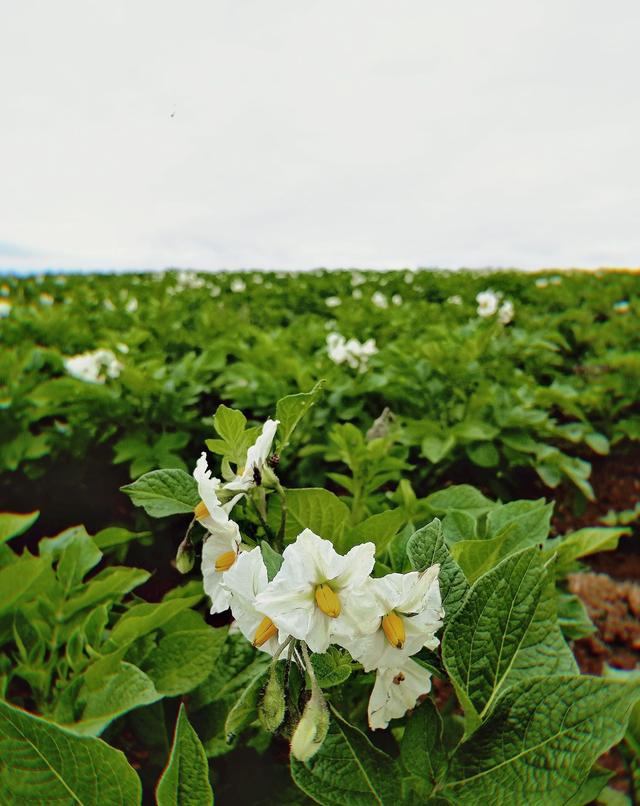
x,y
294,134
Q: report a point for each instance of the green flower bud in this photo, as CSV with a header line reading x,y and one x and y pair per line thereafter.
x,y
312,729
185,557
272,707
268,478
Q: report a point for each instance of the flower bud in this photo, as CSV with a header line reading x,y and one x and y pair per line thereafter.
x,y
272,707
268,478
312,729
185,557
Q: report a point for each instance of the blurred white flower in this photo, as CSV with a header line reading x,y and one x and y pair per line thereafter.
x,y
5,291
215,291
121,347
555,280
409,277
542,282
132,305
379,300
506,312
396,299
238,286
108,305
5,308
456,299
93,367
332,302
488,302
356,293
353,352
258,279
46,300
397,691
622,306
357,278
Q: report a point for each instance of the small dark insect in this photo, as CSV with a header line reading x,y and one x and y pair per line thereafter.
x,y
274,460
257,476
398,678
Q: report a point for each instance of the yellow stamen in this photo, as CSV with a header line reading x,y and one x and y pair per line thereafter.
x,y
266,629
201,511
393,627
225,560
327,600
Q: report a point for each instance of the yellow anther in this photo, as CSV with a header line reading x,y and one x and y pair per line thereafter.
x,y
393,627
266,629
225,560
327,600
201,511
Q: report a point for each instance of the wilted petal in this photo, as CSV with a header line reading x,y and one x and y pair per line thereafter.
x,y
396,691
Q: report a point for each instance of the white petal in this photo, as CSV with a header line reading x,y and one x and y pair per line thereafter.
x,y
318,635
396,691
290,608
207,485
423,594
358,564
213,547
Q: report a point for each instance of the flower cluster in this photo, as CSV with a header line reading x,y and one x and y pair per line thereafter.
x,y
489,303
356,354
318,596
93,367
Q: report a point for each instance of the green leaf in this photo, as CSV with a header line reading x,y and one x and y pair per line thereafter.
x,y
332,667
44,764
291,409
272,559
598,443
459,496
182,660
573,618
427,547
110,584
185,781
348,770
540,742
378,529
316,509
114,536
245,710
483,454
164,492
17,581
584,542
79,557
235,437
526,522
421,748
435,447
13,524
126,689
143,618
505,630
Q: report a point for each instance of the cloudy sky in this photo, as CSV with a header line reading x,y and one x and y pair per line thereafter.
x,y
289,133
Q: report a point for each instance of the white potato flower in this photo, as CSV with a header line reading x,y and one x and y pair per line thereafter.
x,y
542,282
488,302
5,308
219,552
506,312
132,305
409,610
238,286
210,512
353,352
46,300
317,595
93,367
257,456
246,578
332,302
456,299
397,691
379,300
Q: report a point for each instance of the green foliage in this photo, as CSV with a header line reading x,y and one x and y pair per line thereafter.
x,y
164,492
185,782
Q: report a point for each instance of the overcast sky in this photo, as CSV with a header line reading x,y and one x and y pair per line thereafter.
x,y
290,133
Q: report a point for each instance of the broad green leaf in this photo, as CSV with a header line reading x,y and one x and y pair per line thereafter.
x,y
459,496
143,618
435,447
591,788
44,764
598,443
505,628
118,693
185,781
13,524
483,454
245,709
526,522
182,660
378,529
584,542
421,748
115,536
76,560
459,525
272,559
573,618
332,667
18,580
291,409
111,583
540,742
427,547
235,437
316,509
164,492
348,770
